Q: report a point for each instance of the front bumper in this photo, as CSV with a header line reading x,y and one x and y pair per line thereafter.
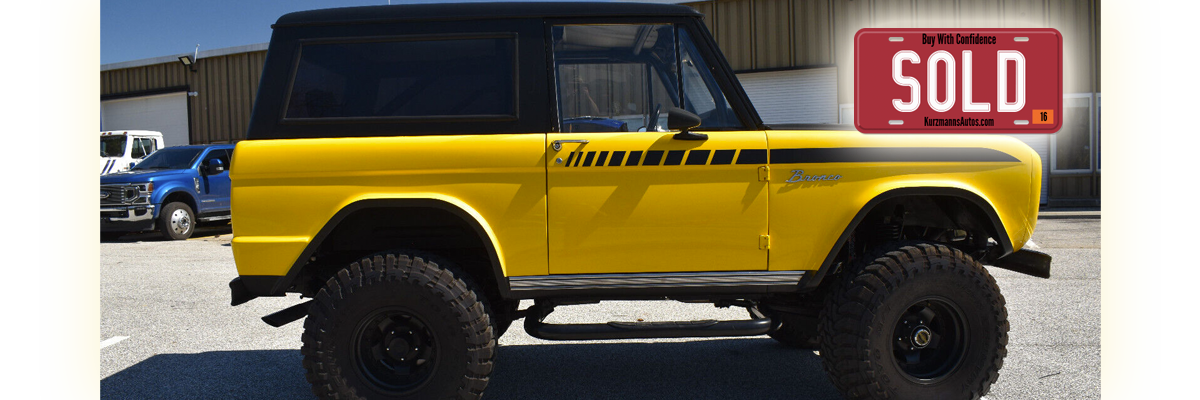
x,y
126,218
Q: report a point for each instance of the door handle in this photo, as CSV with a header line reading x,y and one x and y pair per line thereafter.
x,y
557,144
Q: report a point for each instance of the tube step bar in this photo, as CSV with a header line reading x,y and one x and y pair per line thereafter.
x,y
641,330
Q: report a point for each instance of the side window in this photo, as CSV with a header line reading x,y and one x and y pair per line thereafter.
x,y
219,154
142,147
450,77
615,78
701,94
622,78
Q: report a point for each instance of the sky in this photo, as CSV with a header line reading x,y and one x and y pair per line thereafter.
x,y
138,29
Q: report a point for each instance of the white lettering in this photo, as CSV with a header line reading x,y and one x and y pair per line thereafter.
x,y
951,75
1002,59
968,72
912,83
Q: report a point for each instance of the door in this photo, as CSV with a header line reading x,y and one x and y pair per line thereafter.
x,y
625,196
214,188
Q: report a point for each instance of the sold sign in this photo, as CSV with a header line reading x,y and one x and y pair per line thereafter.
x,y
958,80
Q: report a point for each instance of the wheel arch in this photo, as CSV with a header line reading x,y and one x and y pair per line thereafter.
x,y
179,194
980,206
492,272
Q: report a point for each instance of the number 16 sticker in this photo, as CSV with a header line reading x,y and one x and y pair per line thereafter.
x,y
957,80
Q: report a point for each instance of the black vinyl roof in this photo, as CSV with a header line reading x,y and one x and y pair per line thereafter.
x,y
471,11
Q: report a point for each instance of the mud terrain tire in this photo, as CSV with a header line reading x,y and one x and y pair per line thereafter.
x,y
922,321
398,326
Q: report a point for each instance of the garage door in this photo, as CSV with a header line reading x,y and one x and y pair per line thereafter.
x,y
806,96
166,113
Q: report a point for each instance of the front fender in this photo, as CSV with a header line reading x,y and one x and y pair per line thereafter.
x,y
164,190
953,190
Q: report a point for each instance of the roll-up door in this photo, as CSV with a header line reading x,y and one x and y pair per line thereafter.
x,y
166,113
793,96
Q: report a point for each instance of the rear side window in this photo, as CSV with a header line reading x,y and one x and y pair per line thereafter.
x,y
406,79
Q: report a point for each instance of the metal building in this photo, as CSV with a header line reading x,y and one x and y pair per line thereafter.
x,y
208,101
793,57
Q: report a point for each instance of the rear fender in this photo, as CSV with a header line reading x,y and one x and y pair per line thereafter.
x,y
451,205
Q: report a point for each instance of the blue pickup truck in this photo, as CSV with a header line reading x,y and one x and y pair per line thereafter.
x,y
172,190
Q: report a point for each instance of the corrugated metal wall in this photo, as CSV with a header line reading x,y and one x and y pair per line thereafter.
x,y
225,87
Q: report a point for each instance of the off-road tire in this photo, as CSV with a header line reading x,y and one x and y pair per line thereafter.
x,y
873,306
187,223
445,321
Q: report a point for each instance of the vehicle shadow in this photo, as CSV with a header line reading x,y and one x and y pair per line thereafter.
x,y
153,236
699,369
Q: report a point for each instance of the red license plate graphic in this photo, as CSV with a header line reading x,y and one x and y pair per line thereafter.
x,y
957,80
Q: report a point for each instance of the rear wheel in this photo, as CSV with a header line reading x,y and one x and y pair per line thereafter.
x,y
920,322
398,326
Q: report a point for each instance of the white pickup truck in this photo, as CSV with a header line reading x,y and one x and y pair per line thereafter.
x,y
120,150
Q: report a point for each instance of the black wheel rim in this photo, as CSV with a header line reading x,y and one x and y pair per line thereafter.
x,y
395,351
929,340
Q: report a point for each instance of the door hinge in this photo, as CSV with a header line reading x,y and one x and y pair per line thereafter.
x,y
764,242
764,173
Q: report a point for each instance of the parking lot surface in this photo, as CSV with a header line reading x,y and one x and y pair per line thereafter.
x,y
168,331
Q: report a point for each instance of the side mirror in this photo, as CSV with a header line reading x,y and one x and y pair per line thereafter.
x,y
678,118
215,166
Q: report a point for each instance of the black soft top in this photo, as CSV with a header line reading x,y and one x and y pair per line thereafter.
x,y
475,11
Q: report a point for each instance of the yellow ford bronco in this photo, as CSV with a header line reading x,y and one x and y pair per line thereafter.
x,y
418,170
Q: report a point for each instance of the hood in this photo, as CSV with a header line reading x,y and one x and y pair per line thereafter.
x,y
141,176
113,164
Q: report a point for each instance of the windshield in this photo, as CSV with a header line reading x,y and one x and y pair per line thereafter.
x,y
112,146
170,158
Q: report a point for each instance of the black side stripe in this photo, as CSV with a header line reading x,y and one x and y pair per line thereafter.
x,y
888,154
697,157
634,157
781,156
674,157
653,157
617,156
752,156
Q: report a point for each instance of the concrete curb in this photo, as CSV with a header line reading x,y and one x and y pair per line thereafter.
x,y
1069,215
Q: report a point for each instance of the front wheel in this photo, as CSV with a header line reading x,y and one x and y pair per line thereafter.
x,y
176,221
400,327
922,321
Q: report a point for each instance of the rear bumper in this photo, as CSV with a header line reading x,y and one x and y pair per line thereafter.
x,y
249,287
1028,262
